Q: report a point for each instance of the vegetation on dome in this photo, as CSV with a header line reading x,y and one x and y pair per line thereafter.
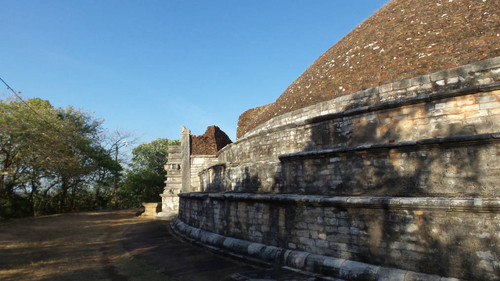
x,y
404,39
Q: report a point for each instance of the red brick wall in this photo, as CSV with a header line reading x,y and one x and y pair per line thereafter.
x,y
209,143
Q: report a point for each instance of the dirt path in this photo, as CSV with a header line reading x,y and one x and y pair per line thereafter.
x,y
81,246
112,245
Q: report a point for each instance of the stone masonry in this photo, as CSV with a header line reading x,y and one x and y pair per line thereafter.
x,y
184,164
380,162
420,238
173,183
397,181
428,107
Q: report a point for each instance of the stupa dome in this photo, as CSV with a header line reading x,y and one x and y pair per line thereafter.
x,y
404,39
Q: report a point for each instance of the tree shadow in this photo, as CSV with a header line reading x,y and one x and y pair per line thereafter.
x,y
247,179
380,154
394,154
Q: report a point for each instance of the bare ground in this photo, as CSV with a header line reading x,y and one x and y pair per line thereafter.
x,y
80,246
111,245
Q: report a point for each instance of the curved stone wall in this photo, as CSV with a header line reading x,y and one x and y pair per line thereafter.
x,y
461,101
398,180
353,238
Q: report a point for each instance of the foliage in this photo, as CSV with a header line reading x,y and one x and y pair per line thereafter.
x,y
51,160
55,160
145,179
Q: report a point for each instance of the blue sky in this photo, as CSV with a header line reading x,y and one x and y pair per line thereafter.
x,y
148,67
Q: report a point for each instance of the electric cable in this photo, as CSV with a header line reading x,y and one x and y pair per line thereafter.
x,y
24,102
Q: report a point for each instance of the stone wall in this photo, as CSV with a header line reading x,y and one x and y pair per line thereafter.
x,y
380,162
185,161
400,179
423,237
202,153
455,102
198,163
453,166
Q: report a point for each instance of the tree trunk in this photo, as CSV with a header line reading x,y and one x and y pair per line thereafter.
x,y
64,194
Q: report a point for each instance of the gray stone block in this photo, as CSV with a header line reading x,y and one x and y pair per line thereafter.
x,y
236,245
352,270
416,276
403,84
213,239
331,266
256,249
271,253
420,80
391,274
296,259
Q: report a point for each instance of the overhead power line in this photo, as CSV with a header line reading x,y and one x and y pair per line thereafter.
x,y
21,99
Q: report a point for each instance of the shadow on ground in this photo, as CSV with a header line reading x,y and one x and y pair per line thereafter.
x,y
154,243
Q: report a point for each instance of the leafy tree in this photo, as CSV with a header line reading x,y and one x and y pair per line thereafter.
x,y
56,160
50,158
145,180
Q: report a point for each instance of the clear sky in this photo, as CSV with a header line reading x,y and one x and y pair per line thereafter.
x,y
148,67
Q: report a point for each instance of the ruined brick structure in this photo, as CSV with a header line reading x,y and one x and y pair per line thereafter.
x,y
381,162
185,161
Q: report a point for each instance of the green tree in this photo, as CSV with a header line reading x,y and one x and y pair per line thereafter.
x,y
145,179
50,158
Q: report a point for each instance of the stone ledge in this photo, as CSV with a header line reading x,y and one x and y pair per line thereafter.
x,y
454,204
421,98
395,88
203,156
480,138
406,101
300,260
168,195
223,165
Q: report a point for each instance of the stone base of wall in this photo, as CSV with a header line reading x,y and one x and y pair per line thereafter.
x,y
325,266
353,238
404,175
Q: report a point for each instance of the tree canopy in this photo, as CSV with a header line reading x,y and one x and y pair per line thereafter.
x,y
145,180
55,160
49,158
